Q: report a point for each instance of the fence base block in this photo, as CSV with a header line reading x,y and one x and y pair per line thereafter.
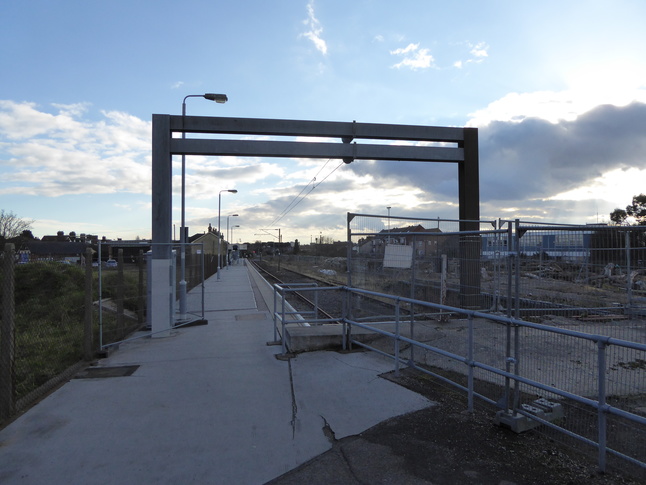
x,y
519,423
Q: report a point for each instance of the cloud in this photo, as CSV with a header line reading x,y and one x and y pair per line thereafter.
x,y
414,57
479,51
314,29
534,168
535,158
60,153
477,54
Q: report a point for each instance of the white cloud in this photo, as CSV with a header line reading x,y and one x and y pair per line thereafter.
x,y
314,29
414,57
62,153
405,50
477,54
617,84
479,51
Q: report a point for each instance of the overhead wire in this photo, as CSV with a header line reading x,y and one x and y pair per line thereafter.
x,y
295,201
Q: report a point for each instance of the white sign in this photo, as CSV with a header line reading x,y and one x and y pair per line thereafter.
x,y
398,256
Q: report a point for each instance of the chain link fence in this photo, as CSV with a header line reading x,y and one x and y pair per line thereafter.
x,y
45,329
57,313
542,272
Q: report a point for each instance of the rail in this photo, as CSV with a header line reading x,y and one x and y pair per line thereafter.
x,y
609,369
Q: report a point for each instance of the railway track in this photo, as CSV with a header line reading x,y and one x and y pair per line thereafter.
x,y
328,302
295,298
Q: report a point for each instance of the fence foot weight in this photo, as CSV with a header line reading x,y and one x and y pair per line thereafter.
x,y
107,352
286,356
192,323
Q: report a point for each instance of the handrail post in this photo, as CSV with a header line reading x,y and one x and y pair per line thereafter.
x,y
283,339
397,305
601,412
470,370
275,312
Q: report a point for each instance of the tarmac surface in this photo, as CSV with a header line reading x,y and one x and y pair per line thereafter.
x,y
212,404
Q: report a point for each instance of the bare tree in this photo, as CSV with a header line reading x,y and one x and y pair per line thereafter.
x,y
12,226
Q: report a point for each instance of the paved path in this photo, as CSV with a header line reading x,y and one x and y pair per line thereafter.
x,y
210,405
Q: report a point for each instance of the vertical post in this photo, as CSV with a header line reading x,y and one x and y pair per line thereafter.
x,y
282,323
275,314
629,280
443,277
510,265
517,270
601,411
397,308
349,249
141,302
100,291
470,388
7,334
469,215
121,325
161,304
87,329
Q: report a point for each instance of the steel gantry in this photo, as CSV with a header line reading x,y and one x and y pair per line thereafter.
x,y
451,145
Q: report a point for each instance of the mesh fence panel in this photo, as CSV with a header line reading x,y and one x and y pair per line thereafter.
x,y
48,322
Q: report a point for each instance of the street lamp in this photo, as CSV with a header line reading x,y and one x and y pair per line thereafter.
x,y
228,240
233,191
237,225
388,239
231,215
218,98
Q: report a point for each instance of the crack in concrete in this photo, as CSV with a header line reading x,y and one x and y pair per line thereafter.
x,y
294,405
328,431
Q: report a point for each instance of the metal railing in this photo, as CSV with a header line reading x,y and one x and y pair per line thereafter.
x,y
587,386
124,286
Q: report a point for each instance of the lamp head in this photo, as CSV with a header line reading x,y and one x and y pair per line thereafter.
x,y
233,191
218,98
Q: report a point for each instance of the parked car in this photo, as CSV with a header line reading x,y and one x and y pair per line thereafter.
x,y
111,263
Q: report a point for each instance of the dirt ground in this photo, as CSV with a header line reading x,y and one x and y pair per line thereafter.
x,y
441,440
446,445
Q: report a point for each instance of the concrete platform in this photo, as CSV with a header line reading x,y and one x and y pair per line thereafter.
x,y
210,404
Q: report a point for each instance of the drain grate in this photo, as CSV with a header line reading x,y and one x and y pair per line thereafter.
x,y
101,372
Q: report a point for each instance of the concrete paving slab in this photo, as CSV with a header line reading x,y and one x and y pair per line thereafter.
x,y
209,404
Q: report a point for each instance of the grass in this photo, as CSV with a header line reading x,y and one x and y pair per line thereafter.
x,y
49,316
49,309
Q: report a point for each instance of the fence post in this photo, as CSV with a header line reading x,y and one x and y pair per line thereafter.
x,y
87,329
140,287
629,281
601,410
121,325
7,335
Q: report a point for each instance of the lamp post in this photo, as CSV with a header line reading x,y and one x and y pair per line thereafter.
x,y
218,98
228,240
388,239
233,191
237,225
232,215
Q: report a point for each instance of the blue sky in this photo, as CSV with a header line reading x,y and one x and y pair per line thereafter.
x,y
557,90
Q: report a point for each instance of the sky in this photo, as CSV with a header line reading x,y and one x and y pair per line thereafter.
x,y
556,89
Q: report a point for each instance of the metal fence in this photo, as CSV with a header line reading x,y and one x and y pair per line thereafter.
x,y
46,326
426,259
57,313
585,384
542,272
124,283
